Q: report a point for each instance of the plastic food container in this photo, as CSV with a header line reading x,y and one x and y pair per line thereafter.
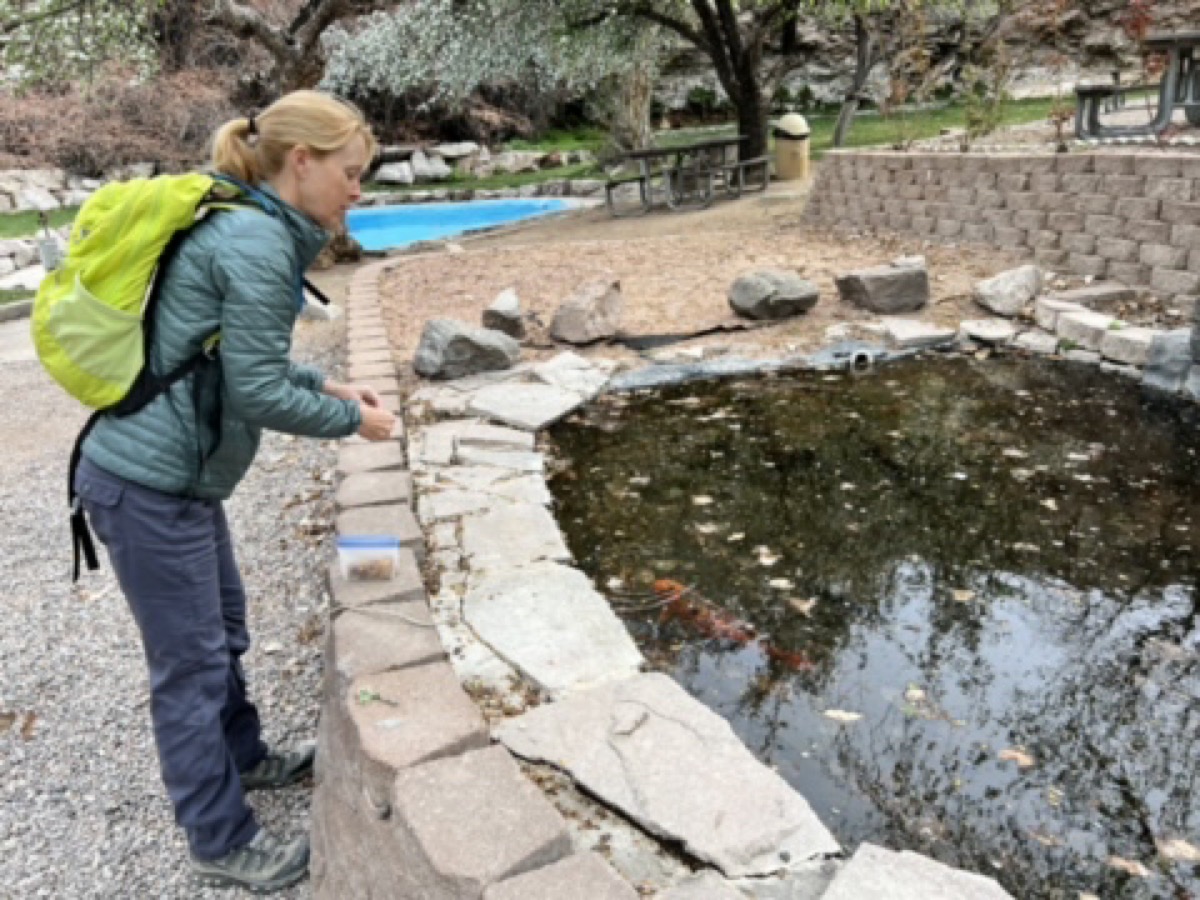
x,y
369,557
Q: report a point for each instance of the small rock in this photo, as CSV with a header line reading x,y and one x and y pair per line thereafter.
x,y
592,313
1007,294
450,349
772,294
504,315
886,289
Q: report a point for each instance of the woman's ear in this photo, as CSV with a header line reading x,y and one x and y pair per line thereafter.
x,y
301,159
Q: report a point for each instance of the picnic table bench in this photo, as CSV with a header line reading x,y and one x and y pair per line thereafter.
x,y
1179,89
687,175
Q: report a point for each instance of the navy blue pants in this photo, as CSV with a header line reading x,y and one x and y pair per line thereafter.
x,y
174,560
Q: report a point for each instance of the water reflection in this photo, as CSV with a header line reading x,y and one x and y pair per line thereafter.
x,y
992,565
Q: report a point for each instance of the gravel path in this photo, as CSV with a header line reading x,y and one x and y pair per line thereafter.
x,y
82,810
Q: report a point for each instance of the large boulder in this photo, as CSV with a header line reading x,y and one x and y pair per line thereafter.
x,y
504,315
456,151
395,173
429,168
772,294
1009,292
1169,360
593,313
886,289
450,349
511,162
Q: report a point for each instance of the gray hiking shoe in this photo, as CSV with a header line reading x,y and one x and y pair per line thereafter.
x,y
265,864
281,769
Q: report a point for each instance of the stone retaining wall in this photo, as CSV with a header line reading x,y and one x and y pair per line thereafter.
x,y
1132,217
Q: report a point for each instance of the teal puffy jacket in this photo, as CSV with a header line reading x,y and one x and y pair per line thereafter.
x,y
238,273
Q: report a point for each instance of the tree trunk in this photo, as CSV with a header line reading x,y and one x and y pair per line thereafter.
x,y
864,61
629,126
752,121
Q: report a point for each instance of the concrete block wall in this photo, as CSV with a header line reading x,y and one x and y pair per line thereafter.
x,y
1132,217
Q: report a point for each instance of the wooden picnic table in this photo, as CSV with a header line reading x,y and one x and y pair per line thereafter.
x,y
1179,89
686,175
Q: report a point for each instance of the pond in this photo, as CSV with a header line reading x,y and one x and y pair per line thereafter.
x,y
385,228
952,602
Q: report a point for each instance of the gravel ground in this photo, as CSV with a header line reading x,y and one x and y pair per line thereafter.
x,y
82,809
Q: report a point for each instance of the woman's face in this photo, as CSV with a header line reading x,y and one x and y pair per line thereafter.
x,y
328,186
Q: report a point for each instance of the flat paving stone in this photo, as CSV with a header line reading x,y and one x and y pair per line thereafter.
x,y
1037,342
368,640
394,520
368,371
874,873
409,716
366,357
439,442
548,622
503,483
1046,311
1085,329
648,748
1102,296
584,876
374,489
406,587
517,460
1130,346
571,372
530,407
906,334
706,885
377,456
477,821
442,506
514,534
990,331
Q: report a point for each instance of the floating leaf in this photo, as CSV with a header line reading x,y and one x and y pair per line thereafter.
x,y
1132,866
962,596
781,584
1050,504
707,527
701,500
804,607
1179,850
914,694
1014,453
840,715
736,536
1020,757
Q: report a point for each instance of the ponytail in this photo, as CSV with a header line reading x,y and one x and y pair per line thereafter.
x,y
254,149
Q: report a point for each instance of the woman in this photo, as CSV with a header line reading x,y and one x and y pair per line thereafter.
x,y
152,483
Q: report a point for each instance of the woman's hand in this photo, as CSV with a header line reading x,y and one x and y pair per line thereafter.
x,y
377,423
360,393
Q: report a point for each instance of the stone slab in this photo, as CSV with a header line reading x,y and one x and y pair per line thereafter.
x,y
516,460
409,716
585,876
394,519
523,488
990,331
354,459
1038,342
906,334
529,407
571,372
1085,329
406,587
374,489
547,621
445,505
874,873
477,821
644,746
368,640
373,355
513,534
885,289
1130,346
438,442
1102,296
1169,363
357,372
706,885
1046,311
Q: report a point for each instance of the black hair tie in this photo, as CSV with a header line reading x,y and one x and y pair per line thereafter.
x,y
251,127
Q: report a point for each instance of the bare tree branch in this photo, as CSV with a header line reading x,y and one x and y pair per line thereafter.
x,y
10,25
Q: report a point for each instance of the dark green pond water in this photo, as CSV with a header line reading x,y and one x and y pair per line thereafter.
x,y
992,565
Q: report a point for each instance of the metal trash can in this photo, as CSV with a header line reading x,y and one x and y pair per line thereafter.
x,y
791,147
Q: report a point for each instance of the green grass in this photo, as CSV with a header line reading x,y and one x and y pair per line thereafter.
x,y
876,130
26,224
588,138
14,295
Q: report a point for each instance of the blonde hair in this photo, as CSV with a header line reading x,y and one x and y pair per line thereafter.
x,y
254,149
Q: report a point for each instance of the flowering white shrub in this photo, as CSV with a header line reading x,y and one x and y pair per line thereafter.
x,y
447,49
47,41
